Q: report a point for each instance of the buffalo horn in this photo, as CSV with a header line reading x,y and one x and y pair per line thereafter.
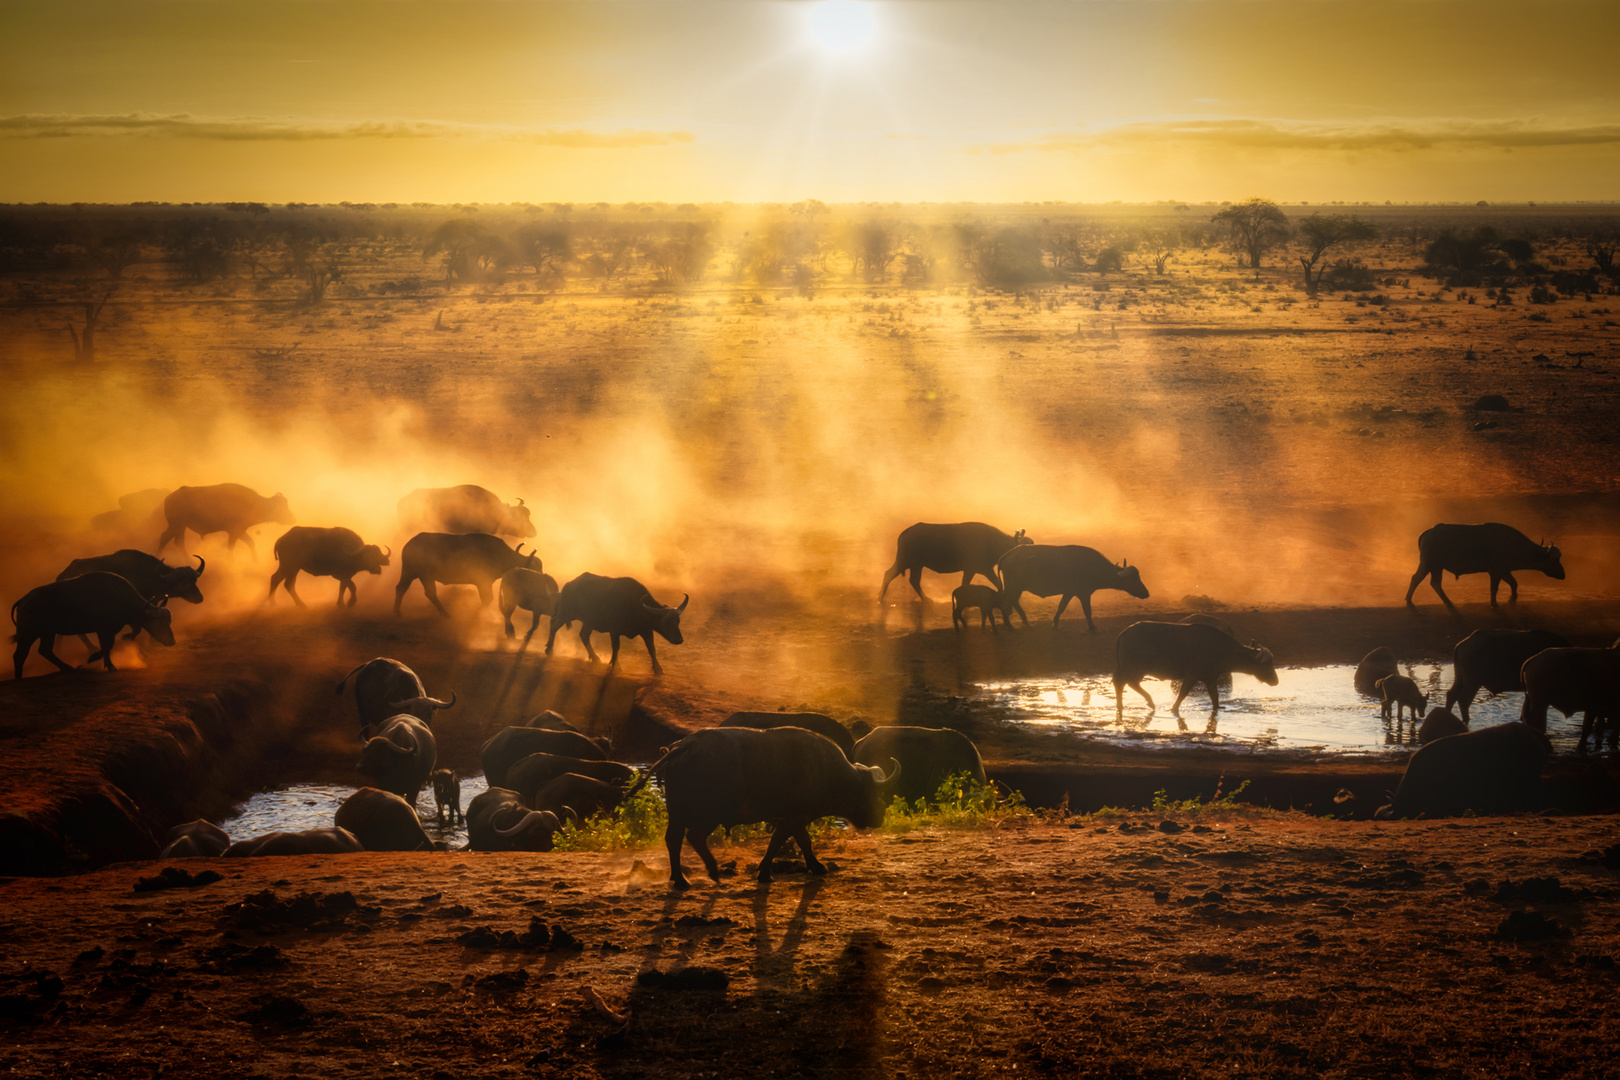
x,y
520,502
392,745
200,565
685,597
408,704
388,552
519,548
889,778
522,824
160,601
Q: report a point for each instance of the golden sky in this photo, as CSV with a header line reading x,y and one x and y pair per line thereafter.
x,y
1083,100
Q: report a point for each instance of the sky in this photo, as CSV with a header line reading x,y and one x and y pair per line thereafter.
x,y
768,100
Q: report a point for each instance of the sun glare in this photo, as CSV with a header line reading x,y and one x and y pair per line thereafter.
x,y
841,26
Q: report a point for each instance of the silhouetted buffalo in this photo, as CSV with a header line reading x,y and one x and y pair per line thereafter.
x,y
334,553
476,559
1572,681
1397,693
511,745
927,756
968,548
382,821
531,591
620,607
333,841
574,798
465,509
1492,549
1494,660
232,509
528,774
1187,653
447,795
95,603
400,757
497,820
1068,571
988,601
1374,666
384,687
1439,724
825,726
152,577
1492,768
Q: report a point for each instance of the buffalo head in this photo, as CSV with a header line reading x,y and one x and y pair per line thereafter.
x,y
278,509
181,582
1265,668
422,707
155,621
871,815
1551,563
531,561
515,520
667,620
1130,579
1019,539
372,559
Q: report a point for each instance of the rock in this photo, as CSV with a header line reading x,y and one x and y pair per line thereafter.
x,y
1493,402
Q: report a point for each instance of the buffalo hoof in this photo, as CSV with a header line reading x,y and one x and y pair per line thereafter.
x,y
679,884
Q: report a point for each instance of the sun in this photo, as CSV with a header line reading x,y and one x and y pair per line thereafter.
x,y
841,26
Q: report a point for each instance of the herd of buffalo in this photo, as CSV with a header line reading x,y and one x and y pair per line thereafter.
x,y
785,769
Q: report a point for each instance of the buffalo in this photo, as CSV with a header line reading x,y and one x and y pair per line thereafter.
x,y
195,838
1494,660
620,607
786,776
476,559
95,603
232,509
139,514
968,548
152,577
447,793
400,756
575,798
528,774
988,601
1572,681
1398,693
464,509
382,821
927,757
333,841
1491,548
1374,666
530,590
1492,768
1439,724
334,553
511,745
1188,653
824,726
384,687
1068,571
497,820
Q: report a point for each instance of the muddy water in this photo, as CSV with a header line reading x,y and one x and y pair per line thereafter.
x,y
1310,709
311,806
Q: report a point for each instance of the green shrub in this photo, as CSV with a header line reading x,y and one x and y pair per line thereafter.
x,y
959,803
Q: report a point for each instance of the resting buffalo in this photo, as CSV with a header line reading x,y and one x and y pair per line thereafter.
x,y
1572,681
400,757
619,607
528,774
333,841
384,688
824,726
382,821
497,820
927,756
1188,653
968,548
988,601
477,559
152,577
574,798
195,838
1492,549
551,720
95,603
1067,571
334,553
787,776
465,509
531,591
228,508
1397,692
1492,768
1493,659
1439,724
511,745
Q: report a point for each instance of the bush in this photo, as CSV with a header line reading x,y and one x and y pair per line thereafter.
x,y
958,803
1348,275
638,822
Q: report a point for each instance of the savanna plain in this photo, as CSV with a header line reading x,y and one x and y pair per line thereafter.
x,y
745,405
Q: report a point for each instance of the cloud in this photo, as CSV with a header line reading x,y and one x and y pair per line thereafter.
x,y
254,129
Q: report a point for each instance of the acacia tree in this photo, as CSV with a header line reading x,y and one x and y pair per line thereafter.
x,y
1159,245
1254,226
1320,233
544,249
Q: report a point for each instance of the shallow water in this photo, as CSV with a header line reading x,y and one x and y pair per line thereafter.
x,y
311,806
1310,709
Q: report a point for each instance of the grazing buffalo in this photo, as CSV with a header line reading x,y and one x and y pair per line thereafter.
x,y
477,559
511,745
968,548
528,774
95,603
400,757
497,820
988,601
575,798
619,607
447,793
825,726
1188,653
333,841
1374,666
384,688
334,553
152,577
787,776
465,509
1492,768
195,839
1572,681
382,821
228,508
1494,659
531,591
1067,571
927,756
1492,549
1439,724
1398,693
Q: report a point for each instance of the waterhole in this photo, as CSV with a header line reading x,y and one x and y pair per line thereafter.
x,y
311,806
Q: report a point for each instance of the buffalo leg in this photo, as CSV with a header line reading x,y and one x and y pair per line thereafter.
x,y
1513,589
485,594
1016,595
431,589
551,638
532,628
400,590
275,579
652,651
175,534
107,638
354,593
888,575
585,640
779,837
291,581
915,577
1183,688
1134,684
672,841
613,657
509,605
699,839
1422,572
801,836
1434,580
1085,606
253,549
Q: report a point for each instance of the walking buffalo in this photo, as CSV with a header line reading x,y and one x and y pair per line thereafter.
x,y
1572,681
382,821
824,726
927,757
232,509
511,745
531,591
988,601
95,603
400,757
786,776
195,839
528,774
384,687
447,793
968,548
1491,548
476,559
333,841
1492,768
497,820
1494,660
152,577
1068,571
1188,653
334,553
465,509
620,607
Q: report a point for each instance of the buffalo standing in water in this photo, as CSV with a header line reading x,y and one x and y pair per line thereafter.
x,y
967,548
335,553
232,509
620,607
95,603
1068,571
1187,653
1494,660
1491,548
464,509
